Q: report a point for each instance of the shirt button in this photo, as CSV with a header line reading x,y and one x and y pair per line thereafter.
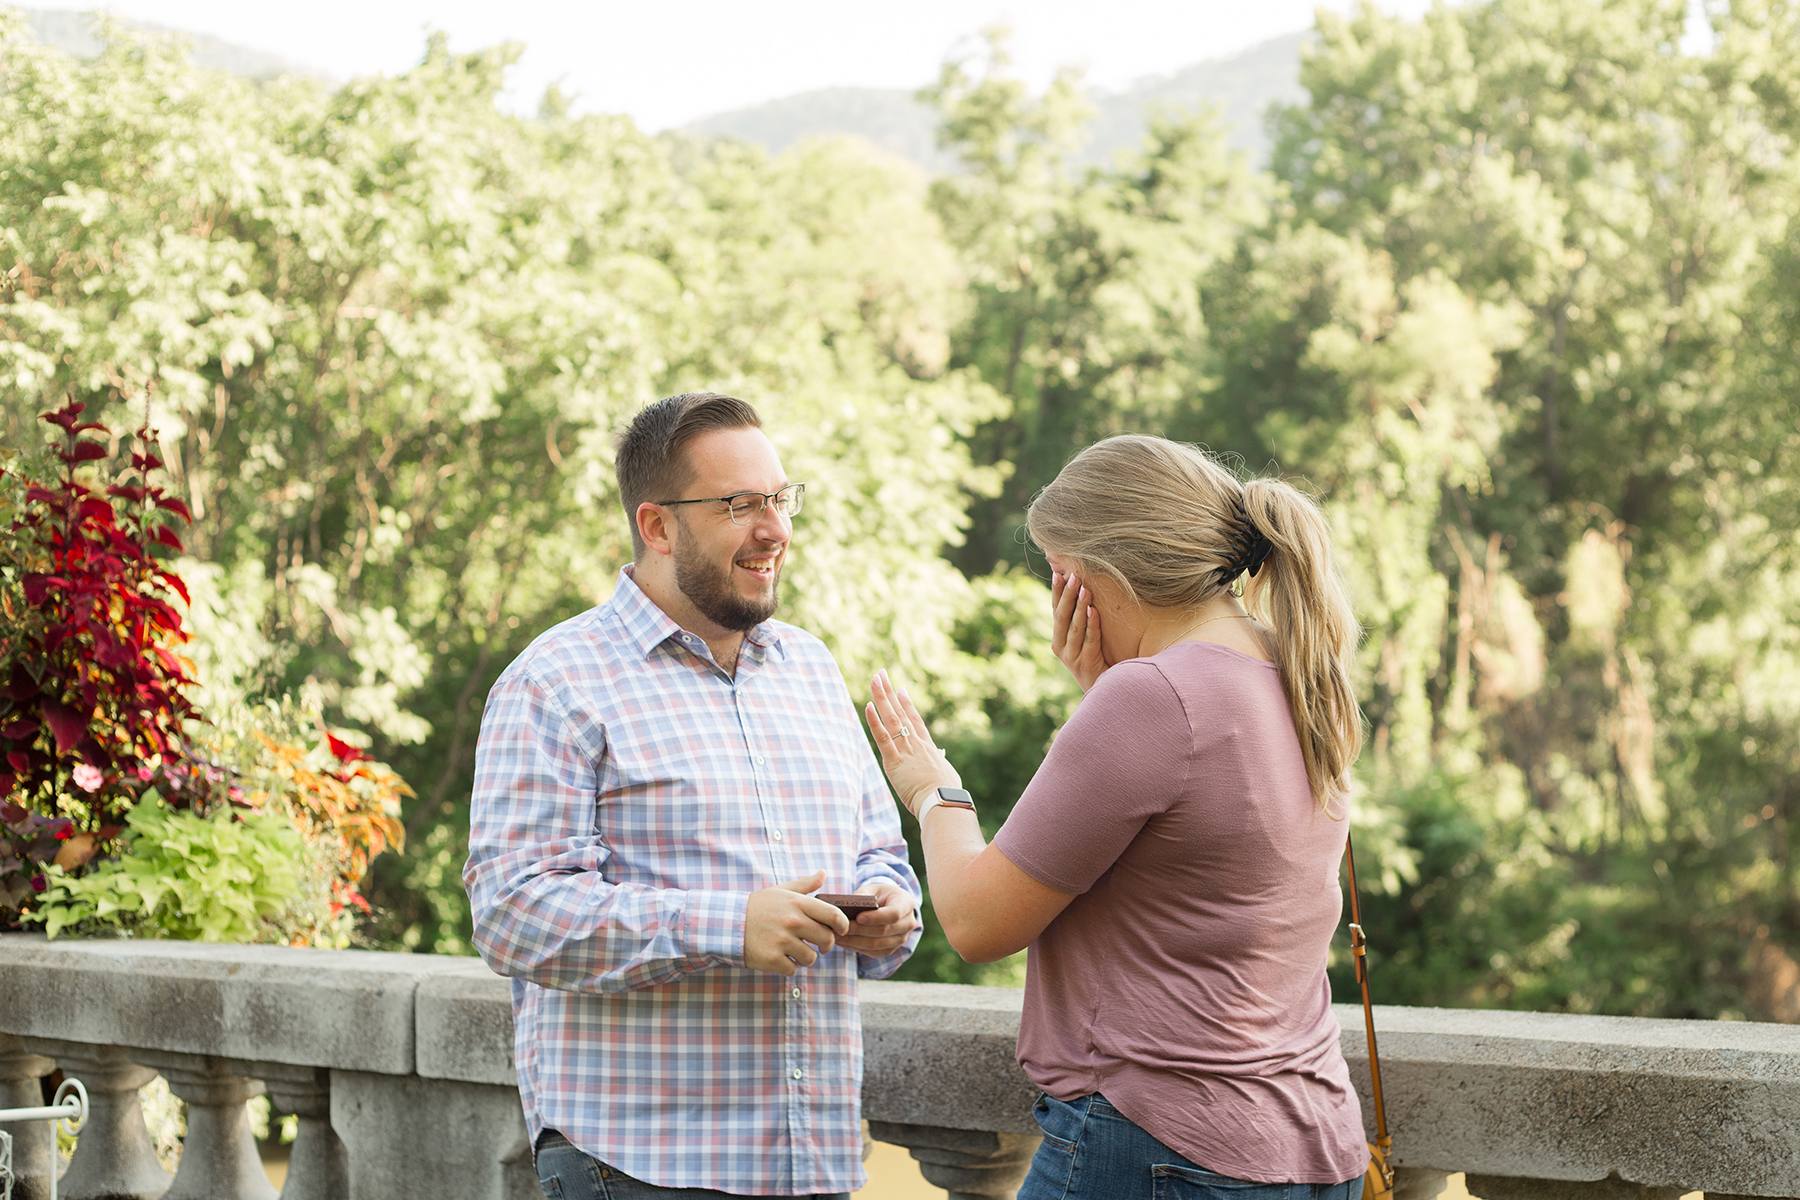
x,y
759,760
796,993
798,1072
778,835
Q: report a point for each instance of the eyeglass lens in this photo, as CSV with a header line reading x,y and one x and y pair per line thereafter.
x,y
748,507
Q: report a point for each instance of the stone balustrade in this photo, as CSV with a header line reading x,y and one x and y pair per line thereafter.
x,y
399,1068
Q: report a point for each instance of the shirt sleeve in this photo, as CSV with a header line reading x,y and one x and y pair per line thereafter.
x,y
543,909
882,855
1120,760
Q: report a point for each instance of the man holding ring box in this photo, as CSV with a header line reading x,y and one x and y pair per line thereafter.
x,y
661,784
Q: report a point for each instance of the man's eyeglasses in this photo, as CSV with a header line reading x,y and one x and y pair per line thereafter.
x,y
745,507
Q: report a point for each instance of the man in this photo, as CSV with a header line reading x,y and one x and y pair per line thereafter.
x,y
659,785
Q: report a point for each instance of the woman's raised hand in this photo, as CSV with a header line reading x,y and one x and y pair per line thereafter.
x,y
914,765
1075,628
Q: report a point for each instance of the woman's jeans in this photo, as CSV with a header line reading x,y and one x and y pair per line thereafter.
x,y
565,1173
1092,1151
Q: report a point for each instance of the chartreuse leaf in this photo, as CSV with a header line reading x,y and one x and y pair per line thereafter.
x,y
215,878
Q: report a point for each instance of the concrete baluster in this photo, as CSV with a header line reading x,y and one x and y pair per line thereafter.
x,y
218,1156
34,1146
114,1158
1419,1183
318,1164
970,1164
1508,1187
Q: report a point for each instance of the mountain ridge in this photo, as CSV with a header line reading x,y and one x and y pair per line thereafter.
x,y
1239,87
72,32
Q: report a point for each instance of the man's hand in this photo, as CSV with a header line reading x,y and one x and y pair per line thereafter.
x,y
783,925
883,931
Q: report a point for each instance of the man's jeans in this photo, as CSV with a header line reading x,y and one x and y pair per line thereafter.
x,y
1092,1151
565,1173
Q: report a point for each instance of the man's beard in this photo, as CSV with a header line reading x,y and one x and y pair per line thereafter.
x,y
708,588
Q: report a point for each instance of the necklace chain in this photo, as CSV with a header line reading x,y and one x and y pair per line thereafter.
x,y
1225,617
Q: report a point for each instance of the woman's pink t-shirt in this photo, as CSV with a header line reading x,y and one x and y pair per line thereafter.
x,y
1186,980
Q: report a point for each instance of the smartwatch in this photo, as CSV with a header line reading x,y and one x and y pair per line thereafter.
x,y
948,797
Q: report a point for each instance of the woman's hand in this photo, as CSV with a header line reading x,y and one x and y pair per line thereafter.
x,y
1075,629
914,765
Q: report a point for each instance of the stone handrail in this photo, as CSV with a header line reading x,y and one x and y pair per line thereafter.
x,y
400,1070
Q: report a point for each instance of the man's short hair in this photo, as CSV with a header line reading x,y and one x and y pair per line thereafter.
x,y
650,459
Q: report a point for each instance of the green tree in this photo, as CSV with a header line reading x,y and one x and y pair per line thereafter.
x,y
1085,286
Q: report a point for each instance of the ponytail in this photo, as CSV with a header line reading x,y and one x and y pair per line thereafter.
x,y
1300,594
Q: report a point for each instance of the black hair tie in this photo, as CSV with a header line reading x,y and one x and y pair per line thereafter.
x,y
1248,547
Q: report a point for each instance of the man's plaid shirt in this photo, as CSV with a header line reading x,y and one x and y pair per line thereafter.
x,y
629,796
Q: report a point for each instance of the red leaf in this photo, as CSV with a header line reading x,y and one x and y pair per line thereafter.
x,y
344,750
69,726
95,509
21,686
145,461
19,762
175,581
20,730
66,416
39,495
82,452
175,506
127,492
37,588
107,833
165,535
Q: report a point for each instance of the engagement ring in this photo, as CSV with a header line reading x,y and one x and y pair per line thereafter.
x,y
904,731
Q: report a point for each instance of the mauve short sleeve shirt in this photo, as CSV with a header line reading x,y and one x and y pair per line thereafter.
x,y
1186,980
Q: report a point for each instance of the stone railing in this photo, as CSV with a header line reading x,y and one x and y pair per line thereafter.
x,y
399,1068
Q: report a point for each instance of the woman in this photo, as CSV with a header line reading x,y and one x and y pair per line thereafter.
x,y
1173,865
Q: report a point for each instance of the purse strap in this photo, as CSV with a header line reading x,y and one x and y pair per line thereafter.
x,y
1359,948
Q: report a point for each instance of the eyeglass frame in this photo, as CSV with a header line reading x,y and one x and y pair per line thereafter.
x,y
767,498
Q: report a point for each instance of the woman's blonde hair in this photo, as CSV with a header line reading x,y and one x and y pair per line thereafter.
x,y
1175,528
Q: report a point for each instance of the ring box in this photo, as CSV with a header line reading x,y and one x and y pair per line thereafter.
x,y
850,905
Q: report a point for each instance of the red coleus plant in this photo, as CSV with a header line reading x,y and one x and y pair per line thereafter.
x,y
91,687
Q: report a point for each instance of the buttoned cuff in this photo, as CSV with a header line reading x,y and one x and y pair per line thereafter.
x,y
713,926
887,964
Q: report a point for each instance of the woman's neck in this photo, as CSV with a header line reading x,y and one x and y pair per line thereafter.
x,y
1165,627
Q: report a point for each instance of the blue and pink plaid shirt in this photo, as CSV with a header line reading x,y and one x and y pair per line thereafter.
x,y
629,796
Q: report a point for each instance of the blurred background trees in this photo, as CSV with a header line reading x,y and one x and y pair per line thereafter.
x,y
1516,295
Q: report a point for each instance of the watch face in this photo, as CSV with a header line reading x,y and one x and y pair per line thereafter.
x,y
956,794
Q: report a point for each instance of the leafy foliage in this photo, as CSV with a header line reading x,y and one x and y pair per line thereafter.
x,y
100,725
91,676
181,875
341,800
93,702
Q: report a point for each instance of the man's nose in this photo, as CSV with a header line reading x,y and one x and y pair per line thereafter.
x,y
771,526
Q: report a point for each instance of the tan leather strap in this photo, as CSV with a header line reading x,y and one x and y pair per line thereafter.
x,y
1359,948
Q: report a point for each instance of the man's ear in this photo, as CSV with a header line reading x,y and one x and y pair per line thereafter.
x,y
653,526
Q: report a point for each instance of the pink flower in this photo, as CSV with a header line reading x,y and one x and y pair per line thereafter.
x,y
88,777
145,774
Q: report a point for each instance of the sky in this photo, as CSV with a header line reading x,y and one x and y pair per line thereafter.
x,y
666,64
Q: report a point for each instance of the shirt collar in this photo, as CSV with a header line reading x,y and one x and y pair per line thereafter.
x,y
648,626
